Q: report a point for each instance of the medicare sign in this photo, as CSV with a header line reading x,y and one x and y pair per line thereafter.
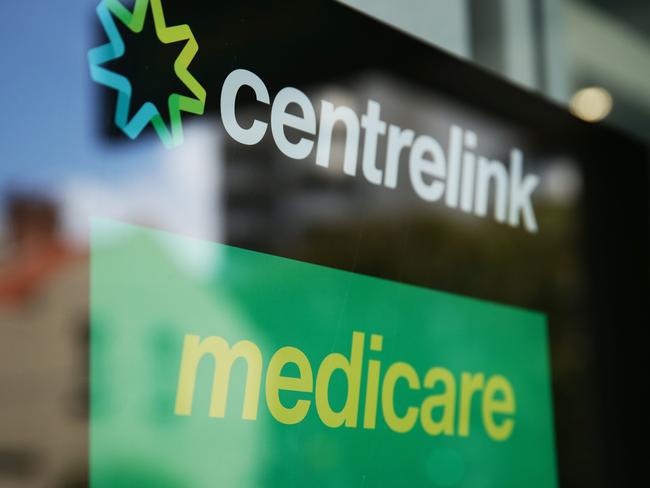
x,y
273,372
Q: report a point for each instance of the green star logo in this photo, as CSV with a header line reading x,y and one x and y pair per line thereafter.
x,y
110,10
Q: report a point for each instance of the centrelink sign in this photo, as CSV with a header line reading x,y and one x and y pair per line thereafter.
x,y
459,177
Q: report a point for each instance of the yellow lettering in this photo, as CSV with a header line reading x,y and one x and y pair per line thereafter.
x,y
372,391
470,384
394,373
437,412
445,400
352,370
372,386
194,350
491,405
275,382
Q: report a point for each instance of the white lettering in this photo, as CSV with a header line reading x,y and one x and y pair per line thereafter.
x,y
465,179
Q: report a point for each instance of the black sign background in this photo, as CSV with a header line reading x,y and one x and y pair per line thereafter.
x,y
587,269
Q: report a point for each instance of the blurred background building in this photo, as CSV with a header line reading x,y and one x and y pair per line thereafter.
x,y
553,47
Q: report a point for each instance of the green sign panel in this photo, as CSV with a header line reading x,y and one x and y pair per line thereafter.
x,y
217,366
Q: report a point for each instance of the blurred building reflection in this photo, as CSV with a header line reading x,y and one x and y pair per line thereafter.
x,y
34,250
43,350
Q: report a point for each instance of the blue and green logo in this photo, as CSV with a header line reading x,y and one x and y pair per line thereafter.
x,y
172,135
